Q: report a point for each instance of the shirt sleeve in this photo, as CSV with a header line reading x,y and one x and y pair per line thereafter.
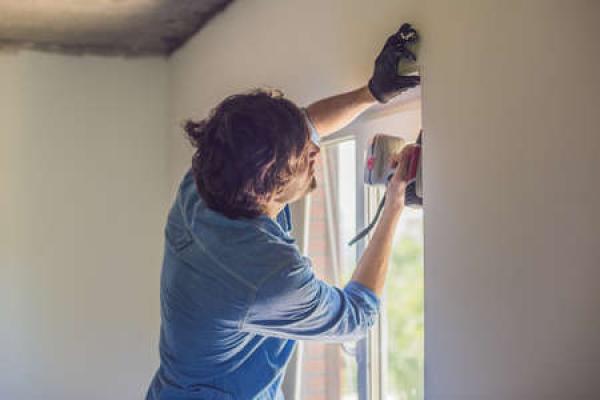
x,y
314,135
293,304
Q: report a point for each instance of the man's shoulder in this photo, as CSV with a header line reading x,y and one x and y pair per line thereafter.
x,y
253,247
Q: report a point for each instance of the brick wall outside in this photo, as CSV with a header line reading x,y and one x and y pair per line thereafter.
x,y
321,363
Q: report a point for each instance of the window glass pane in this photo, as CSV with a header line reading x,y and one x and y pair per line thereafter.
x,y
345,200
346,205
404,310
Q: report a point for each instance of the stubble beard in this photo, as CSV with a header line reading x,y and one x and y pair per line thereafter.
x,y
312,186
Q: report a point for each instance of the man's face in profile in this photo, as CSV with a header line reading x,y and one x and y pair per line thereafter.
x,y
305,181
313,152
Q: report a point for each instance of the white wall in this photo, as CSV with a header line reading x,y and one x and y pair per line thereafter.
x,y
512,223
509,100
83,197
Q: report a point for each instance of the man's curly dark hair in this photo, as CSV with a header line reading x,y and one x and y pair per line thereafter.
x,y
247,151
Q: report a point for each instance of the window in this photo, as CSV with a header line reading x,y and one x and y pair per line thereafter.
x,y
331,371
388,364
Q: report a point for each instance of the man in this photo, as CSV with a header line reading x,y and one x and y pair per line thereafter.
x,y
235,291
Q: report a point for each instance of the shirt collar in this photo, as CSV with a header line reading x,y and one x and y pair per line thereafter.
x,y
262,222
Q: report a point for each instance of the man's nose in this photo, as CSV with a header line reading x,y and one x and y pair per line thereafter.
x,y
314,151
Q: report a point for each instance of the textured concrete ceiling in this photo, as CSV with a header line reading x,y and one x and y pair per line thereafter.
x,y
127,27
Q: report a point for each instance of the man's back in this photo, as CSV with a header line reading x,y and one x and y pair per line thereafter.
x,y
212,267
234,296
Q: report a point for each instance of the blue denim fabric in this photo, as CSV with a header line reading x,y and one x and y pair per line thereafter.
x,y
235,295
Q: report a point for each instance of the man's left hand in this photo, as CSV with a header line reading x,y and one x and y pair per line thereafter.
x,y
386,83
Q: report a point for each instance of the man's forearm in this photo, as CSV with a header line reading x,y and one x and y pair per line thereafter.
x,y
334,113
373,265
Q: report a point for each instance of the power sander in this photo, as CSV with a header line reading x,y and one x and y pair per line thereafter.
x,y
379,170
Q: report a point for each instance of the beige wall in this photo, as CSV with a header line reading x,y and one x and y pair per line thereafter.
x,y
512,223
83,196
509,101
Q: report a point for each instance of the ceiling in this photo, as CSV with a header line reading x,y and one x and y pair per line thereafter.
x,y
112,27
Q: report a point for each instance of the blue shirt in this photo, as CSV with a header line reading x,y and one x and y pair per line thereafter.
x,y
235,295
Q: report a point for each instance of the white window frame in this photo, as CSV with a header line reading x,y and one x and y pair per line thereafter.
x,y
367,200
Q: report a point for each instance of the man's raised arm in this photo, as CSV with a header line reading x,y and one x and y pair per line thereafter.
x,y
334,113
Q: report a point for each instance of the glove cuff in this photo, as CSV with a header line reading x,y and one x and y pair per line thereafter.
x,y
376,94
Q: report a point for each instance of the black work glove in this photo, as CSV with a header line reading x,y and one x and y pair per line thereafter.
x,y
386,83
